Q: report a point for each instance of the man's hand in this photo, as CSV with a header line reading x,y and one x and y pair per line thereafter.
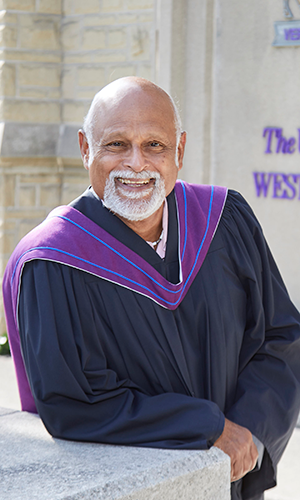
x,y
237,442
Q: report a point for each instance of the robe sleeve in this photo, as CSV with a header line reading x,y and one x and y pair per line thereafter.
x,y
95,406
267,396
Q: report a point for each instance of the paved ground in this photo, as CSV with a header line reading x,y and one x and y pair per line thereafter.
x,y
289,468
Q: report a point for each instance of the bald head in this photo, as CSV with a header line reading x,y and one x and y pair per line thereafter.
x,y
127,88
132,144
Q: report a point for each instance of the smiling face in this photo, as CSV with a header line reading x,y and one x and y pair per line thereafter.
x,y
134,155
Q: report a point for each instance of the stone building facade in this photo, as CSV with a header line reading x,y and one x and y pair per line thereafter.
x,y
233,67
55,55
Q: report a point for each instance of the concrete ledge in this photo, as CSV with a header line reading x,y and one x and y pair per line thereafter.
x,y
36,466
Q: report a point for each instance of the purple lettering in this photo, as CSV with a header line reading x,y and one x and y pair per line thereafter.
x,y
277,186
281,143
287,34
268,133
292,34
285,186
296,179
290,186
262,183
290,149
295,34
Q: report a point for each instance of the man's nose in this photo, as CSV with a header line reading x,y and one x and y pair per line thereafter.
x,y
136,159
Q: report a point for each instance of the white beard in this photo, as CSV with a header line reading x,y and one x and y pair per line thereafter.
x,y
132,205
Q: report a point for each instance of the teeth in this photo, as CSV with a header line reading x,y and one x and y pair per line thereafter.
x,y
136,183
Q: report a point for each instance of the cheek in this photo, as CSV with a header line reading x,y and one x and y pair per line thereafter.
x,y
170,178
98,176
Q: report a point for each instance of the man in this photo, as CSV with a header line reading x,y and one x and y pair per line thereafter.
x,y
150,312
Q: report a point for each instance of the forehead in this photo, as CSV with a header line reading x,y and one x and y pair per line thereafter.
x,y
137,110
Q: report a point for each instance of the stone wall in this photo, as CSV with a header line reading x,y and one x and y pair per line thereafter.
x,y
255,86
55,55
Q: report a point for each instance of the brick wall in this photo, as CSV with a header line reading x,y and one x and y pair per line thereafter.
x,y
55,55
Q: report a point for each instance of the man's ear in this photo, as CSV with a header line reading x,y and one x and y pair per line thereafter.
x,y
180,150
84,148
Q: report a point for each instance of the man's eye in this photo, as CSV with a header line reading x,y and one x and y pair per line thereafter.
x,y
115,143
155,144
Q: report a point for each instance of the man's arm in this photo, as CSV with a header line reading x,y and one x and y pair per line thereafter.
x,y
87,401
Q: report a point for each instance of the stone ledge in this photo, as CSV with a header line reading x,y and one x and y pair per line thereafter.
x,y
36,466
7,411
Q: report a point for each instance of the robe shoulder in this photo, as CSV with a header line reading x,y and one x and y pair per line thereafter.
x,y
238,217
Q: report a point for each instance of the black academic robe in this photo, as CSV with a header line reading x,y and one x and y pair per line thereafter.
x,y
106,364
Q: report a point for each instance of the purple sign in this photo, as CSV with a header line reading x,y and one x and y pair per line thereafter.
x,y
277,185
277,143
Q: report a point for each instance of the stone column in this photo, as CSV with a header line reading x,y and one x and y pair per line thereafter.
x,y
30,116
185,62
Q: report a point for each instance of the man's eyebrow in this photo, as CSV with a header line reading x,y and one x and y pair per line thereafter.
x,y
155,136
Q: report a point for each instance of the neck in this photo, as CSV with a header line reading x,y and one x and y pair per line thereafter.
x,y
149,229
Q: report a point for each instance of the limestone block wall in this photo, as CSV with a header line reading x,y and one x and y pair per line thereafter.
x,y
54,56
103,41
30,61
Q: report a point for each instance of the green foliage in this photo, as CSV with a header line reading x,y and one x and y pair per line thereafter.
x,y
4,345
